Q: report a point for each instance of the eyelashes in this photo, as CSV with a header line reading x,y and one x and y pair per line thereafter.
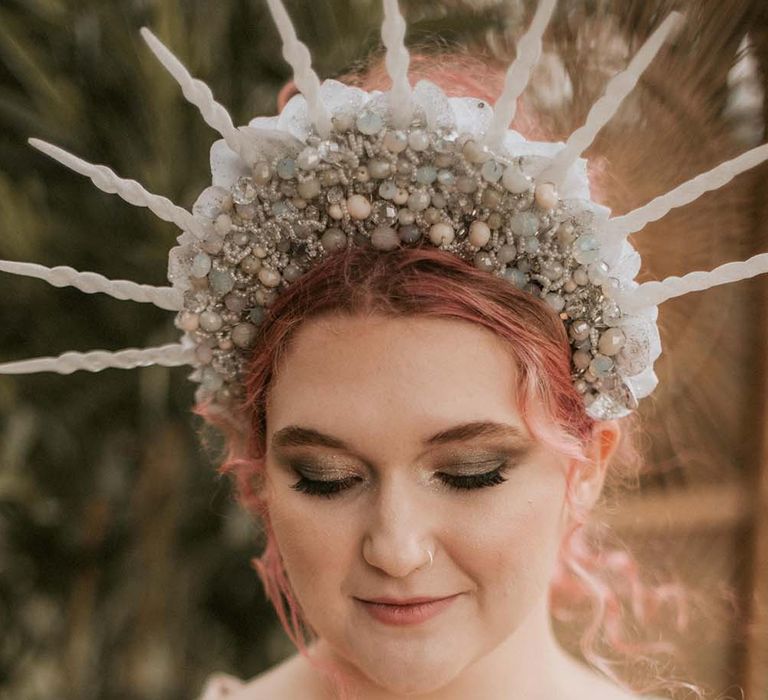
x,y
468,482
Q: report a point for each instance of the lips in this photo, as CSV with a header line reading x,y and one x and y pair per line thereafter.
x,y
405,611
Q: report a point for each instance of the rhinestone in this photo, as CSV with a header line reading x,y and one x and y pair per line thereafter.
x,y
384,211
369,123
243,192
611,341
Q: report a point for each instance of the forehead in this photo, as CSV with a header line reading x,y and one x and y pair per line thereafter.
x,y
401,378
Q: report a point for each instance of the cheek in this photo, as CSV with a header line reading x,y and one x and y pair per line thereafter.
x,y
510,548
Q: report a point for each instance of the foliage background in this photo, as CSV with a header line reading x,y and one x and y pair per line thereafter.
x,y
124,564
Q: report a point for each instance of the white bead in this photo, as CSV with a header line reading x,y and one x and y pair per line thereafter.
x,y
358,207
401,197
188,321
269,277
243,335
479,233
611,341
418,140
441,233
546,195
335,211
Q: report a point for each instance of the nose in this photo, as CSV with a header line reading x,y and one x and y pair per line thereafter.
x,y
398,535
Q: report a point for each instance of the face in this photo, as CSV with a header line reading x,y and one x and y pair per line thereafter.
x,y
389,438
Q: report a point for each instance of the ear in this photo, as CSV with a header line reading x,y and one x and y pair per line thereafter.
x,y
587,479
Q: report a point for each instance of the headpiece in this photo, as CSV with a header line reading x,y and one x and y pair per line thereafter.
x,y
343,167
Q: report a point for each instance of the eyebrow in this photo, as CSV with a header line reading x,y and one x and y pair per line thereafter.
x,y
299,436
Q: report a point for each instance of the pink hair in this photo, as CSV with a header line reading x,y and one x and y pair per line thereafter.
x,y
431,283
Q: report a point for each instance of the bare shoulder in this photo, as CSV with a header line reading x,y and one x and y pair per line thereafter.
x,y
288,680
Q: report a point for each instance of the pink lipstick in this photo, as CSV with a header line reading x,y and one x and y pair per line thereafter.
x,y
410,611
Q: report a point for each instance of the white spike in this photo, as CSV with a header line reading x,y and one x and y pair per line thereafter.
x,y
655,293
199,94
623,226
129,190
397,60
519,73
297,55
90,282
601,112
172,355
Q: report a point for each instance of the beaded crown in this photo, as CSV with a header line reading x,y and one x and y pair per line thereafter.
x,y
342,167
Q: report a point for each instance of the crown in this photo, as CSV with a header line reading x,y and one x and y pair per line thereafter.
x,y
342,167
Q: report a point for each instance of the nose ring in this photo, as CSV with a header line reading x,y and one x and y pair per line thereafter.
x,y
431,558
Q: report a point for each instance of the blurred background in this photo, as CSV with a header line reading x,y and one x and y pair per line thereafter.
x,y
124,563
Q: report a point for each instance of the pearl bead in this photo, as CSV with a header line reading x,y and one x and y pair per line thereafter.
x,y
546,195
369,123
401,197
406,216
379,168
483,261
418,140
243,335
418,201
581,359
262,173
580,276
441,233
492,171
479,233
384,238
335,211
475,152
250,264
387,190
223,224
269,277
358,207
210,321
333,239
309,189
466,184
611,341
515,180
395,141
188,321
507,253
409,233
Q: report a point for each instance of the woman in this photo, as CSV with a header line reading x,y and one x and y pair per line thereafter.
x,y
410,433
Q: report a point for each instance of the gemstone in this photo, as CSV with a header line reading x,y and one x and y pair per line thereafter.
x,y
385,238
210,321
515,180
418,140
358,207
395,141
286,168
483,261
611,341
524,223
243,335
333,239
387,190
441,233
309,188
426,174
409,233
492,171
586,249
479,233
221,281
308,159
507,253
201,265
418,201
